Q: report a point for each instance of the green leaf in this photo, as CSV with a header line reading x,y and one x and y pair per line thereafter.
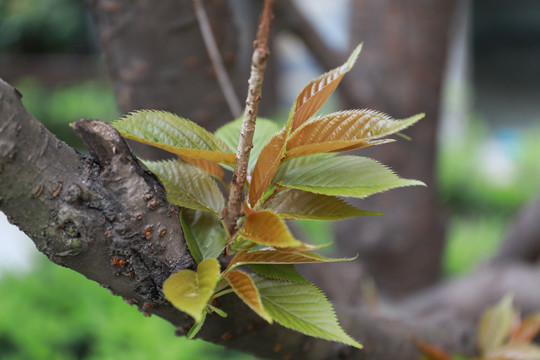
x,y
210,167
299,204
315,94
190,291
495,325
243,286
352,176
204,234
196,328
344,131
188,186
302,162
174,134
285,272
514,352
303,308
218,311
265,227
264,130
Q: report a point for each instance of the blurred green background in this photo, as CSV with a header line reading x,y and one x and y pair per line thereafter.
x,y
54,313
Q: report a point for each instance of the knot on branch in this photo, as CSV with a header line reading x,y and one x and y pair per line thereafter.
x,y
102,140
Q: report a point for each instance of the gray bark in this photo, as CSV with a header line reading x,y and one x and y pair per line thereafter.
x,y
522,239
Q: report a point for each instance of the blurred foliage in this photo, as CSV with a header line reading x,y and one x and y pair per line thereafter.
x,y
468,186
61,105
316,233
56,313
38,26
471,239
481,199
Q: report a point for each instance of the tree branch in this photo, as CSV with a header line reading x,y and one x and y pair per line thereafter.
x,y
470,295
91,217
522,240
217,62
245,144
295,21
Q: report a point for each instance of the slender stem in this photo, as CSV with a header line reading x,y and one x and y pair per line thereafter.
x,y
224,292
258,65
217,62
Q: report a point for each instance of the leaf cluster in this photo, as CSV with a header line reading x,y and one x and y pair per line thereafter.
x,y
293,173
501,335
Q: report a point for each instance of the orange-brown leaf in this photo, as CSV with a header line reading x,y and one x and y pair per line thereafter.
x,y
280,257
315,94
227,158
246,290
210,167
265,227
344,130
266,166
431,352
527,330
332,146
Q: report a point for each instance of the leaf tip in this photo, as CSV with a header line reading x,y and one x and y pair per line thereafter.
x,y
353,57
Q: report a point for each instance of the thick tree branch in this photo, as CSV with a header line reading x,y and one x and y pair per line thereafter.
x,y
522,240
470,295
108,220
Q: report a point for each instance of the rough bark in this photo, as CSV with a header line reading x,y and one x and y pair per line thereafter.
x,y
100,217
400,73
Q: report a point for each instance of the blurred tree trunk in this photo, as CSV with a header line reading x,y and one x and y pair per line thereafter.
x,y
400,73
157,59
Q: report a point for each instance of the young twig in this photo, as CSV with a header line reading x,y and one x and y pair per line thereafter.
x,y
217,62
258,65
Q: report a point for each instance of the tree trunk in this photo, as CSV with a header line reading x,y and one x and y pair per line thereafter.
x,y
157,59
400,73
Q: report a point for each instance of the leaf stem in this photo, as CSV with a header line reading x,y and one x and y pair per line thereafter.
x,y
258,65
223,292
